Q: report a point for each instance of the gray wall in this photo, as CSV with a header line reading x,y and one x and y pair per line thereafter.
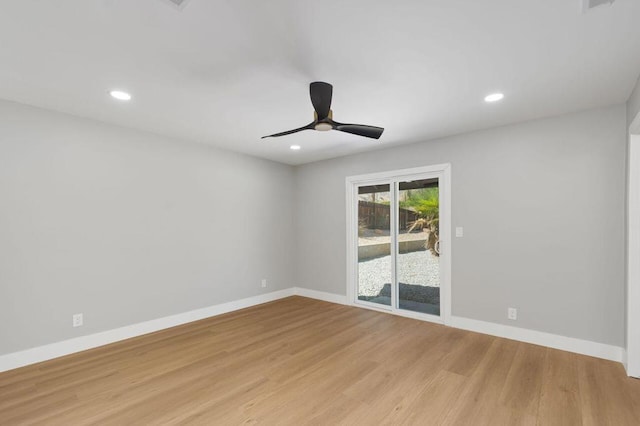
x,y
542,204
126,226
633,110
633,104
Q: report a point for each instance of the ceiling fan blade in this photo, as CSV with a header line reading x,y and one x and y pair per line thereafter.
x,y
360,130
321,94
288,132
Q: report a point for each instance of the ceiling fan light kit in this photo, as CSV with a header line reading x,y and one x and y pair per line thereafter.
x,y
321,94
323,127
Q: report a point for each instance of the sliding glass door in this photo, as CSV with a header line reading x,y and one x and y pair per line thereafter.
x,y
374,244
418,253
396,240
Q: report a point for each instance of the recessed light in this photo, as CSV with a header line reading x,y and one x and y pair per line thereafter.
x,y
120,95
295,147
494,97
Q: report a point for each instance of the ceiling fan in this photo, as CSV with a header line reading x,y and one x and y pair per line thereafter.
x,y
321,94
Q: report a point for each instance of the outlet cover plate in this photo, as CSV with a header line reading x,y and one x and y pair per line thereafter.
x,y
78,320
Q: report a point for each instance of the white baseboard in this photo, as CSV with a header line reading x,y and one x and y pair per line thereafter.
x,y
570,344
632,369
321,295
66,347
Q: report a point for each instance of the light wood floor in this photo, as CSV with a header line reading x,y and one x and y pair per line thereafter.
x,y
300,361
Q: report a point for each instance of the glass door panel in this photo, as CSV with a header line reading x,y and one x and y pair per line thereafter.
x,y
374,244
418,255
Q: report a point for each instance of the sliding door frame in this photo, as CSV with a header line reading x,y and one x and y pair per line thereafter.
x,y
392,177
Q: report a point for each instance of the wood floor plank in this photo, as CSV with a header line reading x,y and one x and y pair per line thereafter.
x,y
560,395
469,354
605,394
524,382
480,400
436,400
301,361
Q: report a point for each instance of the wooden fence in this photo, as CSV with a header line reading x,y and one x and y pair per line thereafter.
x,y
377,216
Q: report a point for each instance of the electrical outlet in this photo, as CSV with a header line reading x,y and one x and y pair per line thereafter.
x,y
264,282
77,320
459,232
512,314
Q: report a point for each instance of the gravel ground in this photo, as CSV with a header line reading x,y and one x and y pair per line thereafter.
x,y
416,268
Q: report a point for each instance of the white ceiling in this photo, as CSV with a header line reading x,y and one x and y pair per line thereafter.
x,y
225,72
